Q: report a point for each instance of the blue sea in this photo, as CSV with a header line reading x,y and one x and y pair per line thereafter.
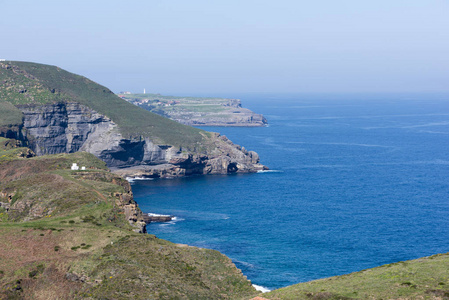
x,y
356,181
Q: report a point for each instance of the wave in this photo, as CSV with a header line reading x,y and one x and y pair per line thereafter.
x,y
270,171
433,132
172,222
344,144
176,219
417,162
324,166
244,263
431,124
261,288
158,215
133,179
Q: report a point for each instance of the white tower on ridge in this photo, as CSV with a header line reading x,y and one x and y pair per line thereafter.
x,y
144,91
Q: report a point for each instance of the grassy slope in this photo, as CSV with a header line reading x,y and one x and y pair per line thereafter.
x,y
9,114
9,150
32,83
424,278
81,232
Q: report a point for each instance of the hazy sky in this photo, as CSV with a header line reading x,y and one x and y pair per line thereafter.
x,y
207,46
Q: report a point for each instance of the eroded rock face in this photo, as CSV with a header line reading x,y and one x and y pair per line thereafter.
x,y
61,127
12,132
71,127
132,211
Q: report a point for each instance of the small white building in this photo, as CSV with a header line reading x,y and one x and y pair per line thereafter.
x,y
2,59
83,168
75,167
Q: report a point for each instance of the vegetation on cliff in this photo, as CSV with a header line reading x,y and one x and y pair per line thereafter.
x,y
423,278
9,114
72,235
25,83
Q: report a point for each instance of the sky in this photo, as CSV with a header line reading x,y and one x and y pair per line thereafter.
x,y
215,46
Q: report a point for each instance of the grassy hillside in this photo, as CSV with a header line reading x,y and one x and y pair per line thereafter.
x,y
9,114
65,236
424,278
32,83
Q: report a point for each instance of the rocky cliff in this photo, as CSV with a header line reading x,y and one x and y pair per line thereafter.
x,y
53,111
69,127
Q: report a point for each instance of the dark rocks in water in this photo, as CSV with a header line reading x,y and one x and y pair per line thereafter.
x,y
148,218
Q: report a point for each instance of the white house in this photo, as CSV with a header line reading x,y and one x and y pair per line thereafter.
x,y
2,59
75,167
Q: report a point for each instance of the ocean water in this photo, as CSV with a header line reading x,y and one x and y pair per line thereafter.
x,y
356,181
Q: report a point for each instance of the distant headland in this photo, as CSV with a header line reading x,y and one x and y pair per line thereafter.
x,y
196,111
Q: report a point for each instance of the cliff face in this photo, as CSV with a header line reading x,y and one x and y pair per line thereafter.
x,y
71,127
13,132
61,127
124,201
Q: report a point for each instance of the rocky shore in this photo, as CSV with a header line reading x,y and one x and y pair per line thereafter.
x,y
148,218
70,127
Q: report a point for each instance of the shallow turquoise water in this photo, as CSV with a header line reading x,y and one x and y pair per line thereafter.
x,y
357,182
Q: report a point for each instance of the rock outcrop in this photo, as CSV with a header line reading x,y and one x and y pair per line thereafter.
x,y
13,132
61,127
70,127
124,201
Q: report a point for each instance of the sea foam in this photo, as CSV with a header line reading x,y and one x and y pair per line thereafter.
x,y
133,179
261,288
270,171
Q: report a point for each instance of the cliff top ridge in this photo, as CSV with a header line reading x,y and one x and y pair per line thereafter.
x,y
26,83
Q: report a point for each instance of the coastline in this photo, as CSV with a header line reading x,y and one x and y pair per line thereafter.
x,y
332,180
198,111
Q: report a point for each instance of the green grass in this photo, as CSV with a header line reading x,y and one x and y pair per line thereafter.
x,y
45,185
32,83
161,270
65,161
186,105
424,278
205,108
10,150
164,98
9,114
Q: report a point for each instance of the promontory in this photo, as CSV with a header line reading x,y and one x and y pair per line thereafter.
x,y
54,111
198,111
